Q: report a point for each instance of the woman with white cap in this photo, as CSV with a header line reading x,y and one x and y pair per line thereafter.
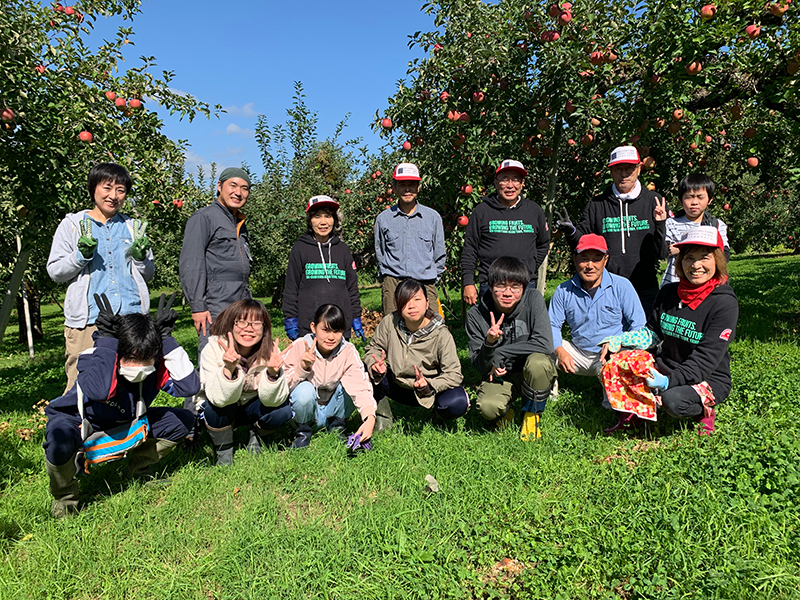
x,y
321,271
695,321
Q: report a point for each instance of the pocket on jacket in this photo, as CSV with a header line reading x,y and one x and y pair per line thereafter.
x,y
426,239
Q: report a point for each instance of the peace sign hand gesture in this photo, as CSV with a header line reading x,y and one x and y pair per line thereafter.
x,y
380,363
420,383
308,358
495,331
231,357
660,211
275,362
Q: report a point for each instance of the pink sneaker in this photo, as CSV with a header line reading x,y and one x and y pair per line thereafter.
x,y
706,423
627,421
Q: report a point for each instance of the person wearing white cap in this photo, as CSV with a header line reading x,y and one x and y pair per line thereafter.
x,y
632,219
694,321
321,271
503,224
409,240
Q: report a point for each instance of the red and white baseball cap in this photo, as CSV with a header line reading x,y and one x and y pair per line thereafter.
x,y
511,165
318,201
624,155
705,235
592,241
406,172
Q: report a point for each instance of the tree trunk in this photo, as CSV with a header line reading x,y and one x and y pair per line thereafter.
x,y
550,200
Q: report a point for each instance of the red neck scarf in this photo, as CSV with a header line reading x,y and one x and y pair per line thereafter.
x,y
693,295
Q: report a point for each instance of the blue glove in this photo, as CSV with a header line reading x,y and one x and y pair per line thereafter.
x,y
359,329
292,328
657,381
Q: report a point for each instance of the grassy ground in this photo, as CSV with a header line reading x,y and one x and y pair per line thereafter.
x,y
664,514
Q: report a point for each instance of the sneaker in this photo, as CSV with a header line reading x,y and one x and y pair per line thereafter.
x,y
627,422
302,436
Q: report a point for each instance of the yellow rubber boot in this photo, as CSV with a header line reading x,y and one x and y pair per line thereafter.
x,y
505,421
530,427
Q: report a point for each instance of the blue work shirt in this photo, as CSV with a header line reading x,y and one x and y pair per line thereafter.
x,y
110,268
410,245
614,309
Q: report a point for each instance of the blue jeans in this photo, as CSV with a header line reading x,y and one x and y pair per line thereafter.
x,y
307,410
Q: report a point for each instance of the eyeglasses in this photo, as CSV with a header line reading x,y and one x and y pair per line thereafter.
x,y
254,325
514,287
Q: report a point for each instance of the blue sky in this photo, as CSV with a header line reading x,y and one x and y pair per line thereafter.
x,y
246,56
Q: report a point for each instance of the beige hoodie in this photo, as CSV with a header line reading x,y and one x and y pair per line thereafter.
x,y
342,366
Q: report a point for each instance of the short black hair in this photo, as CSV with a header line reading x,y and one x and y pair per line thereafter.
x,y
406,290
138,338
694,182
108,172
508,269
332,315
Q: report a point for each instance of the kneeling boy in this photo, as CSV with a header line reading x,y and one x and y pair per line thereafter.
x,y
132,359
510,344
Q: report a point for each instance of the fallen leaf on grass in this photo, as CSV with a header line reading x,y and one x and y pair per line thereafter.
x,y
25,433
432,486
236,491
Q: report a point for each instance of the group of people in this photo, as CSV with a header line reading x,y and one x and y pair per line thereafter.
x,y
118,358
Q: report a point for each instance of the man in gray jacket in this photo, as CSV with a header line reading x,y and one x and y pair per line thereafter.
x,y
510,343
215,258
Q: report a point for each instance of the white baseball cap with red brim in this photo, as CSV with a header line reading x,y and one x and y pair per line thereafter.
x,y
511,165
319,201
624,155
705,235
406,172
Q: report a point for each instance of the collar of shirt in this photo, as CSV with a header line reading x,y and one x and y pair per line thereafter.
x,y
396,212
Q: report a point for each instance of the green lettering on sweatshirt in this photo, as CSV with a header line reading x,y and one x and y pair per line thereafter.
x,y
509,227
324,271
612,224
680,328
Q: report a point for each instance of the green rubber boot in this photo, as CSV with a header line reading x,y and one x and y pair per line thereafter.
x,y
64,488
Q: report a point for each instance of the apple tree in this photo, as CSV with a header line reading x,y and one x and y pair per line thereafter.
x,y
64,107
559,85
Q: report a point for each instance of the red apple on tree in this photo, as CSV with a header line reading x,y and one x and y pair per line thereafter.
x,y
85,136
463,220
7,115
386,123
406,145
677,114
752,31
478,97
752,162
69,11
554,11
569,107
694,67
726,207
135,103
111,96
466,190
347,191
708,12
564,17
40,69
792,67
444,96
120,103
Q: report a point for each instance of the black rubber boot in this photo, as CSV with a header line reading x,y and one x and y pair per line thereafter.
x,y
254,439
302,435
223,444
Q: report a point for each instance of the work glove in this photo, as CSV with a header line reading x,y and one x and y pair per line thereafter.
x,y
358,328
641,339
292,328
564,223
657,382
86,242
354,443
165,316
107,320
140,244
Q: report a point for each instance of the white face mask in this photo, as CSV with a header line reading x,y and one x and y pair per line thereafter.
x,y
136,374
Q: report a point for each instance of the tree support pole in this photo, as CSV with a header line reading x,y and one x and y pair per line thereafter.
x,y
27,308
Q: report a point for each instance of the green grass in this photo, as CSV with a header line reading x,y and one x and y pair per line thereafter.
x,y
577,515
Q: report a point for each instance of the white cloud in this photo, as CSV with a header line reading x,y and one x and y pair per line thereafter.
x,y
194,160
244,111
234,129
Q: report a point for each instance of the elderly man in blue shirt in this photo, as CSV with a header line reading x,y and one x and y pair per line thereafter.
x,y
409,240
595,304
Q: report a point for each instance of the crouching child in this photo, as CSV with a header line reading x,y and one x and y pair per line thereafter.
x,y
510,343
107,415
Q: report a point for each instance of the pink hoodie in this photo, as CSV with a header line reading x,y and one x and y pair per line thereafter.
x,y
342,366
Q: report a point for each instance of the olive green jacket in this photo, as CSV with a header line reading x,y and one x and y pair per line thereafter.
x,y
431,349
